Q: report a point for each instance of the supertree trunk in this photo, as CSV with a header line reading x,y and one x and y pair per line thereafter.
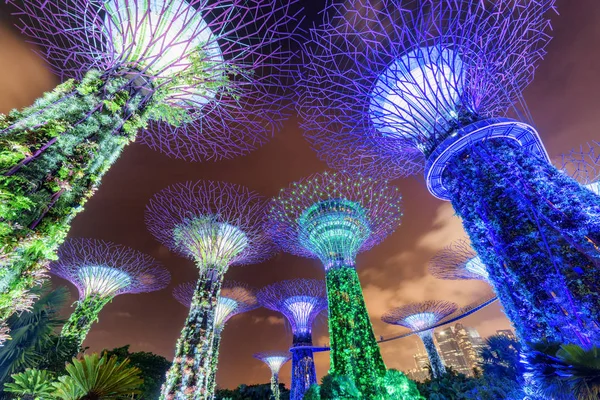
x,y
275,386
435,362
537,231
54,156
211,377
304,374
187,376
85,314
354,350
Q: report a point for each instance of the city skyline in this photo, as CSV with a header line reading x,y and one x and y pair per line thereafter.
x,y
459,348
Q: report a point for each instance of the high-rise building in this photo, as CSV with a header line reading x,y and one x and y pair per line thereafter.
x,y
450,351
471,343
507,333
418,375
421,372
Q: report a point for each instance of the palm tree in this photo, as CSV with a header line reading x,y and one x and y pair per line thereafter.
x,y
500,359
95,377
31,384
542,367
580,369
32,333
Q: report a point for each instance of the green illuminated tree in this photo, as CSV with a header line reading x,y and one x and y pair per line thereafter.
x,y
333,217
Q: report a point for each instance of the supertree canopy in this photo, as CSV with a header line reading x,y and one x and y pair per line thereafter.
x,y
216,224
458,261
431,84
100,271
235,298
421,317
334,216
300,301
274,360
199,79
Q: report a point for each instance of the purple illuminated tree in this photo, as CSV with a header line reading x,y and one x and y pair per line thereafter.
x,y
216,224
333,217
300,301
200,80
421,317
458,261
235,298
100,271
393,87
274,360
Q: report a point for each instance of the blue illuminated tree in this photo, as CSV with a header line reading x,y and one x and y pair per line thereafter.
x,y
274,360
300,301
217,225
393,87
421,317
235,298
458,261
333,217
100,271
195,79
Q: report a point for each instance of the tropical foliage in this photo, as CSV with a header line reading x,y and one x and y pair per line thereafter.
x,y
152,367
90,378
555,371
34,343
394,386
31,384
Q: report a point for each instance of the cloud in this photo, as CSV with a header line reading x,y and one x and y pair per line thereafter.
x,y
270,320
123,314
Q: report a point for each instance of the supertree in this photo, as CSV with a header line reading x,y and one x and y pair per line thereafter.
x,y
458,261
102,270
421,317
300,301
333,217
274,360
199,79
216,224
235,298
393,87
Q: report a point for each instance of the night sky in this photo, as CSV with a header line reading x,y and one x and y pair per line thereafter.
x,y
564,100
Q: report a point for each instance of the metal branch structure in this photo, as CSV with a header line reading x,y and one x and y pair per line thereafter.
x,y
434,85
458,261
583,165
197,79
217,225
300,301
102,270
333,217
274,360
235,298
419,317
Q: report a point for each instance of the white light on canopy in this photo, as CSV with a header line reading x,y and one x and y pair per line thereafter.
x,y
301,308
160,36
211,243
225,307
594,187
417,93
475,266
421,320
102,280
275,363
